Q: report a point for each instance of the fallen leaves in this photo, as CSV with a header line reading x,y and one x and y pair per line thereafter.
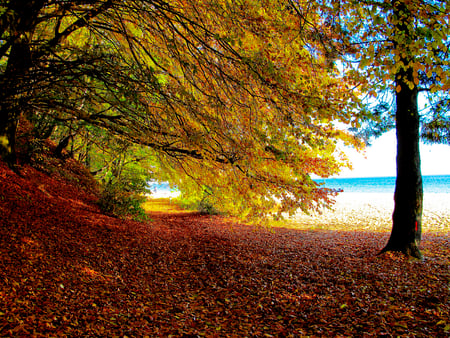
x,y
67,270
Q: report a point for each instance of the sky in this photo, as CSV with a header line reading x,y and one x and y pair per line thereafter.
x,y
379,159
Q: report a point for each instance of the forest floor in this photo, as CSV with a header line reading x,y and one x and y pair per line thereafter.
x,y
66,269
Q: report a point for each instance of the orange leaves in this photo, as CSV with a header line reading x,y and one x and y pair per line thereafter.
x,y
188,274
210,86
239,82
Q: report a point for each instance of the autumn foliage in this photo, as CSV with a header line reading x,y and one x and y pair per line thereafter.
x,y
68,270
240,102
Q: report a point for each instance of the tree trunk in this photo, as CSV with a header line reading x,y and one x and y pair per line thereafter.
x,y
10,106
407,217
25,19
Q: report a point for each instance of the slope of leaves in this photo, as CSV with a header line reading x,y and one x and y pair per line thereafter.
x,y
67,270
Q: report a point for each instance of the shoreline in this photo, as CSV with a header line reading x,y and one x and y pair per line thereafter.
x,y
362,211
373,211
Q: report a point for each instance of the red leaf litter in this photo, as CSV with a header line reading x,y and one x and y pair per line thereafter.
x,y
68,270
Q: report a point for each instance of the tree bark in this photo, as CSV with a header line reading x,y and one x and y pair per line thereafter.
x,y
407,217
10,106
24,16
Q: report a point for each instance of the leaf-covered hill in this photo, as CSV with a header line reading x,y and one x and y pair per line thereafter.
x,y
68,270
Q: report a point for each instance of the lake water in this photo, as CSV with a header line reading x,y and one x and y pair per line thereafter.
x,y
431,184
162,190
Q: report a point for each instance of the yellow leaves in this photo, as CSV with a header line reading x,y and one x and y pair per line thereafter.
x,y
439,72
4,143
212,86
371,50
409,39
434,88
446,84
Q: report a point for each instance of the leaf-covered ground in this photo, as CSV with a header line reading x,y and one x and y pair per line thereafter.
x,y
68,270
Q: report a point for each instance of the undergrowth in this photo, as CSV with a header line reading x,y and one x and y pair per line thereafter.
x,y
115,200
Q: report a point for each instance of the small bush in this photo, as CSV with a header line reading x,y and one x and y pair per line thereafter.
x,y
205,206
116,201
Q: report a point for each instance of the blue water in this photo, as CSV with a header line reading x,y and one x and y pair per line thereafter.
x,y
163,187
431,184
160,186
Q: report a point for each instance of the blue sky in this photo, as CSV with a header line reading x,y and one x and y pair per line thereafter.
x,y
379,159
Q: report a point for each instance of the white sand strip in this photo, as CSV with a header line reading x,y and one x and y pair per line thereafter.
x,y
374,211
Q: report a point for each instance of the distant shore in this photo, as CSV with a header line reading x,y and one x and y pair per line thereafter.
x,y
373,211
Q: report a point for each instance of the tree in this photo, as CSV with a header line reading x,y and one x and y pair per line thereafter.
x,y
407,216
14,42
402,47
233,98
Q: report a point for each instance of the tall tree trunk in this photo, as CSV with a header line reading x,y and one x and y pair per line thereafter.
x,y
407,217
10,106
25,13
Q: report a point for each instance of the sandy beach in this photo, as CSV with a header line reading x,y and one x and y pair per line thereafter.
x,y
373,211
364,211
